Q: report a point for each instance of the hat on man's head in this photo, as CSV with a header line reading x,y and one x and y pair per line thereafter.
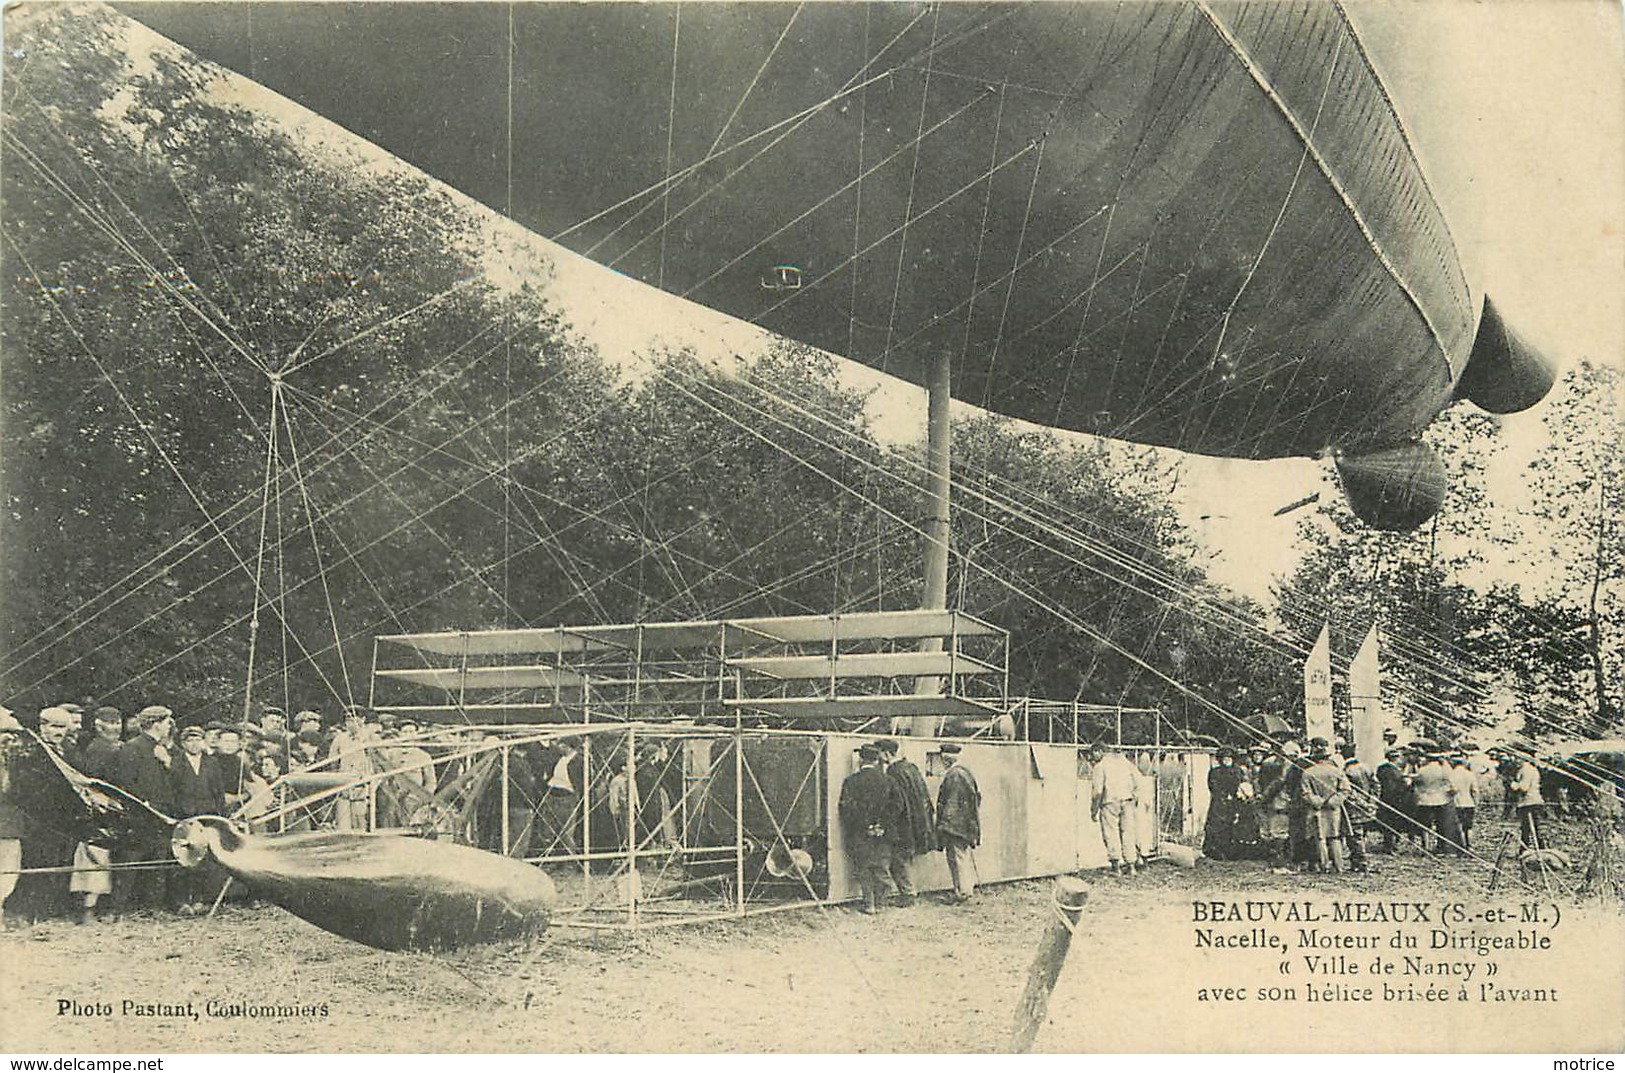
x,y
109,714
869,751
952,748
214,725
308,716
1392,754
272,709
887,746
1226,750
193,731
313,737
152,715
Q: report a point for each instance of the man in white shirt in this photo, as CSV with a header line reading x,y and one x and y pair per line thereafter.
x,y
1112,804
561,799
1462,782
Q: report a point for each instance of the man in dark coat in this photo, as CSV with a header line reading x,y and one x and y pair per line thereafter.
x,y
871,811
917,833
1275,802
55,815
1224,782
655,778
13,814
231,767
1302,848
143,772
198,792
1392,791
959,821
93,876
193,775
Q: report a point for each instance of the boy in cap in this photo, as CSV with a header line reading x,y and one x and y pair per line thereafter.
x,y
198,792
231,765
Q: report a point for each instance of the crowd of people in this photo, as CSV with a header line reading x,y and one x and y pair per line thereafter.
x,y
1311,809
60,858
1318,810
888,821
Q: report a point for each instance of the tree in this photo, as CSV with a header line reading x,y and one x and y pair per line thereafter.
x,y
172,261
1414,585
1578,484
257,376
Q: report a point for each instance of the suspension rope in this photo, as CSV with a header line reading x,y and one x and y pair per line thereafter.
x,y
316,549
259,555
913,176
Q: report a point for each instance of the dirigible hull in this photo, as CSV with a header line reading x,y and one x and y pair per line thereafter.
x,y
1199,225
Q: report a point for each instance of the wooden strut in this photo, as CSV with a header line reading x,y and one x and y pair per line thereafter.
x,y
1070,894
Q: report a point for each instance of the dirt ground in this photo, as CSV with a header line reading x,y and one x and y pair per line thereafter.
x,y
929,978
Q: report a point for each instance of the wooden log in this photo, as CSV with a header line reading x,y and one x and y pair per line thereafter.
x,y
1070,896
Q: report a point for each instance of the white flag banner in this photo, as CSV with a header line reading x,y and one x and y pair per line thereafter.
x,y
1317,688
1365,702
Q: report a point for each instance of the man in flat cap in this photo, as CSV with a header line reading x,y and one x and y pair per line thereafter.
x,y
143,771
353,746
198,792
1436,803
1392,792
92,877
273,728
54,813
871,813
917,833
1523,794
1359,811
959,821
233,767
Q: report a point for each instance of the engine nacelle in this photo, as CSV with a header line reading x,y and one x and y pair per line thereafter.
x,y
1504,374
1394,488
